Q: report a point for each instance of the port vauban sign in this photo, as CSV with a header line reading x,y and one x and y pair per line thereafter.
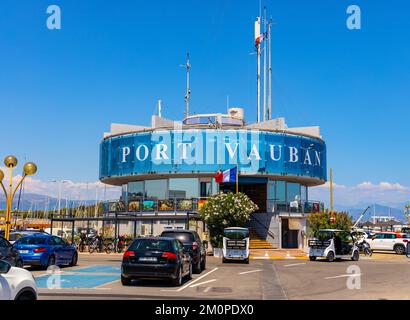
x,y
250,150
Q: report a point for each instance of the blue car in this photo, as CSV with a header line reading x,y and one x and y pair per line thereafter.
x,y
46,250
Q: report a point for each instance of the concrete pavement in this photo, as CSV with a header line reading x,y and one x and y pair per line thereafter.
x,y
383,276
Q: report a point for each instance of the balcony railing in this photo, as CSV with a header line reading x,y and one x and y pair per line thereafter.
x,y
175,206
311,206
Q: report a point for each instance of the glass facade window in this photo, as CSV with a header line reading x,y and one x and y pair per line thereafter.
x,y
206,189
135,189
156,189
293,191
304,193
181,188
124,192
280,191
271,191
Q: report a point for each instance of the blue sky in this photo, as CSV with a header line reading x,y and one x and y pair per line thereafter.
x,y
112,60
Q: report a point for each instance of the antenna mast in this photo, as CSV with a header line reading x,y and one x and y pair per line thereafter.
x,y
258,68
264,64
269,72
187,66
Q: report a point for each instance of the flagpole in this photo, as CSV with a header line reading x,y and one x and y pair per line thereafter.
x,y
237,178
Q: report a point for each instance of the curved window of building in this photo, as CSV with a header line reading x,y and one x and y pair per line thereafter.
x,y
280,191
293,191
304,193
135,189
156,189
181,188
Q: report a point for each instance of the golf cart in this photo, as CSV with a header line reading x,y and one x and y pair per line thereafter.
x,y
235,244
333,244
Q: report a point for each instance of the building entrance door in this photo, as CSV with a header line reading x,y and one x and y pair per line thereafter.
x,y
257,192
289,237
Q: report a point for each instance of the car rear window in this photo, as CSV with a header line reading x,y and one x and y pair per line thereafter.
x,y
15,236
32,240
181,236
150,244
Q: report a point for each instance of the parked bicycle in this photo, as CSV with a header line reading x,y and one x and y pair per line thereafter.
x,y
95,244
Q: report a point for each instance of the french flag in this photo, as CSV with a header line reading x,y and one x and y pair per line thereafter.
x,y
226,176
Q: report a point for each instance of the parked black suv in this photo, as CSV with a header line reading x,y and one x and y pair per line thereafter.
x,y
192,244
9,253
156,258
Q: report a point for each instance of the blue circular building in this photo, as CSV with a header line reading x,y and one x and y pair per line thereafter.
x,y
168,170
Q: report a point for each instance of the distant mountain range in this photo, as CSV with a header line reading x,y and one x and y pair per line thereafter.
x,y
41,202
375,209
35,201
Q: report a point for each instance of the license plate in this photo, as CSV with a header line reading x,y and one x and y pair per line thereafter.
x,y
147,259
236,253
23,251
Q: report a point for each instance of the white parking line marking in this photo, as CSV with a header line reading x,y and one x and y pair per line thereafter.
x,y
207,289
191,283
345,276
198,284
295,264
260,258
246,272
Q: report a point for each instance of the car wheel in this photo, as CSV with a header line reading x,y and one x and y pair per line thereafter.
x,y
198,268
51,261
355,256
26,296
74,260
125,281
178,280
330,256
399,249
189,277
203,264
312,258
19,263
247,260
223,260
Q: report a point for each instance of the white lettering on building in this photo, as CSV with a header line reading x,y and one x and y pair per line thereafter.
x,y
272,152
125,152
293,154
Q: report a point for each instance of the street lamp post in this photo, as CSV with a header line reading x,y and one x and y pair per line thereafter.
x,y
29,169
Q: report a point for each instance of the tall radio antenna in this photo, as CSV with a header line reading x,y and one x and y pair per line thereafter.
x,y
187,67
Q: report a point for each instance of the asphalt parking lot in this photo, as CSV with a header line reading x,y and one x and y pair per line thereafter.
x,y
97,276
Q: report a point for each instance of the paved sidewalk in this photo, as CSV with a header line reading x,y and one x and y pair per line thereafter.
x,y
278,254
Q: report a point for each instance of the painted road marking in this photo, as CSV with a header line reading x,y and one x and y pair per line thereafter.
x,y
198,284
192,282
260,258
345,276
207,289
252,271
91,277
294,264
